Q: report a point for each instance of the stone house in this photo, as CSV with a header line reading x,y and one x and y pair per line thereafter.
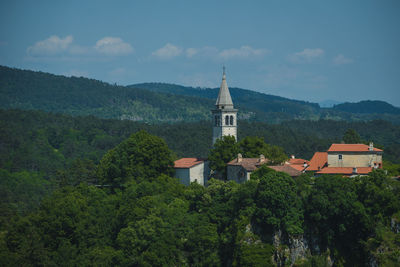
x,y
354,155
189,170
347,160
240,169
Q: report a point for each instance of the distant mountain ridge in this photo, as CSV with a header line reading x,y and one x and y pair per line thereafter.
x,y
368,106
161,102
263,105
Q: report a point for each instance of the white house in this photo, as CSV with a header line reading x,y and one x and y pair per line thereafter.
x,y
189,170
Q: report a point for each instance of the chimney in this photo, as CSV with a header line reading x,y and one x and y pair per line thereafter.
x,y
354,169
262,158
305,164
292,156
371,146
239,158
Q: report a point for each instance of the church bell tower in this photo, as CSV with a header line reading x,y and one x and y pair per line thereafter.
x,y
224,115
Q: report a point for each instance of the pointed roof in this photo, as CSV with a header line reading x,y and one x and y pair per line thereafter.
x,y
224,97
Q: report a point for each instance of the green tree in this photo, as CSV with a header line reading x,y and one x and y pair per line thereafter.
x,y
253,147
334,214
141,156
224,150
278,206
351,137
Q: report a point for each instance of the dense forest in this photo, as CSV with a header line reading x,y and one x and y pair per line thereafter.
x,y
158,102
40,141
127,210
86,179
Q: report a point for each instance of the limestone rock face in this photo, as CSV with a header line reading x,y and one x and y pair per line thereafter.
x,y
289,249
294,249
298,247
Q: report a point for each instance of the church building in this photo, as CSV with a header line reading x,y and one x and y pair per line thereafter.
x,y
224,117
224,114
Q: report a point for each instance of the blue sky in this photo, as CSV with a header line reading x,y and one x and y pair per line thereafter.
x,y
308,50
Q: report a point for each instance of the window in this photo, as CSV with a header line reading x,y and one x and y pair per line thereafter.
x,y
226,120
231,120
340,157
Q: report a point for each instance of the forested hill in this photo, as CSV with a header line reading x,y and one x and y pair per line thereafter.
x,y
24,89
157,102
368,106
264,106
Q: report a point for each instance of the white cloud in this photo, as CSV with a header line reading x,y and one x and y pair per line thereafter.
x,y
340,60
205,52
168,51
307,55
113,46
190,52
50,46
243,52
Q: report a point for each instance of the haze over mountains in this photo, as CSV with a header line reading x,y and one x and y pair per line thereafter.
x,y
160,102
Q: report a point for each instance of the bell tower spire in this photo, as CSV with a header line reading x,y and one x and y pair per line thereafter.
x,y
224,114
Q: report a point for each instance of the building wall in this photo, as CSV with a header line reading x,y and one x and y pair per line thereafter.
x,y
237,174
353,159
183,175
198,173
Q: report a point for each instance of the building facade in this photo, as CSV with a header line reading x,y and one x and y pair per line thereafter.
x,y
354,155
240,169
224,115
347,160
189,170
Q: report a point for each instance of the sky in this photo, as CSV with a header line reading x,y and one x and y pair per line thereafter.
x,y
307,50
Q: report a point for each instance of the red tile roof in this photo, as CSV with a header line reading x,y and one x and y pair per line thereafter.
x,y
350,148
298,161
297,167
187,162
286,169
345,170
318,161
250,164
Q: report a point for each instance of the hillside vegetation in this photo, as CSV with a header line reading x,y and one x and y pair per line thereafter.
x,y
138,215
155,102
270,108
45,142
81,96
